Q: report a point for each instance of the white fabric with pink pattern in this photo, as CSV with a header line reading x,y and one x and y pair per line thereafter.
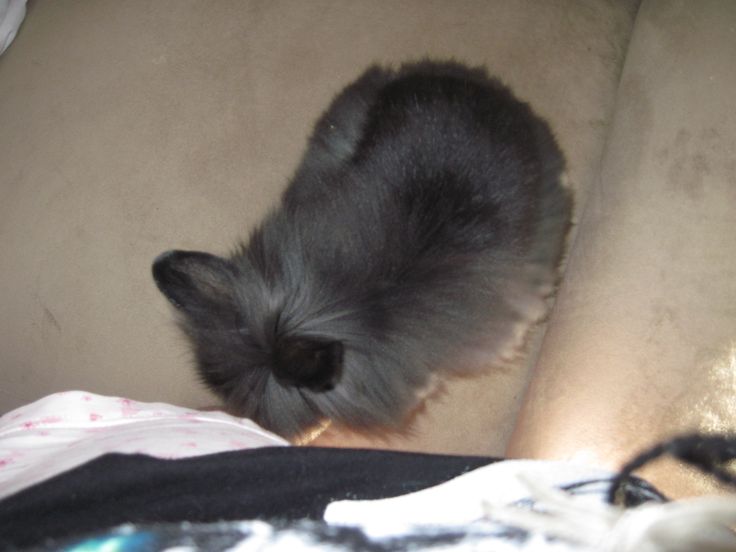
x,y
64,430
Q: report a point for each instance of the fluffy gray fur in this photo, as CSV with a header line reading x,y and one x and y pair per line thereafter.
x,y
423,228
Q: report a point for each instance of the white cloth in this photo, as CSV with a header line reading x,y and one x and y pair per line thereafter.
x,y
518,505
467,498
64,430
12,13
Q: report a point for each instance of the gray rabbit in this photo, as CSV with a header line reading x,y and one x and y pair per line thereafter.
x,y
418,239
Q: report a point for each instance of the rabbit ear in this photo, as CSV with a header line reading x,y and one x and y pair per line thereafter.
x,y
194,282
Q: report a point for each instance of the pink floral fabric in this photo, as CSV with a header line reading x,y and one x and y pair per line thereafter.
x,y
64,430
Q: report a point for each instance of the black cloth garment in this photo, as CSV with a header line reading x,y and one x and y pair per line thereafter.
x,y
268,483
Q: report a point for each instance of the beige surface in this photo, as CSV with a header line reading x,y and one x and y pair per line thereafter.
x,y
642,343
133,127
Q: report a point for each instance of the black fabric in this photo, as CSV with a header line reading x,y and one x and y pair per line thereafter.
x,y
266,483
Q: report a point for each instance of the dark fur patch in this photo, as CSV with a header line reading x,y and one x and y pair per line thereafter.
x,y
311,363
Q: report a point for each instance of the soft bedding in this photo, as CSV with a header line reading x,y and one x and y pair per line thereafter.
x,y
279,498
83,472
64,430
268,483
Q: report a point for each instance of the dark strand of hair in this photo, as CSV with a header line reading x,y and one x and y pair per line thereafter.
x,y
709,453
